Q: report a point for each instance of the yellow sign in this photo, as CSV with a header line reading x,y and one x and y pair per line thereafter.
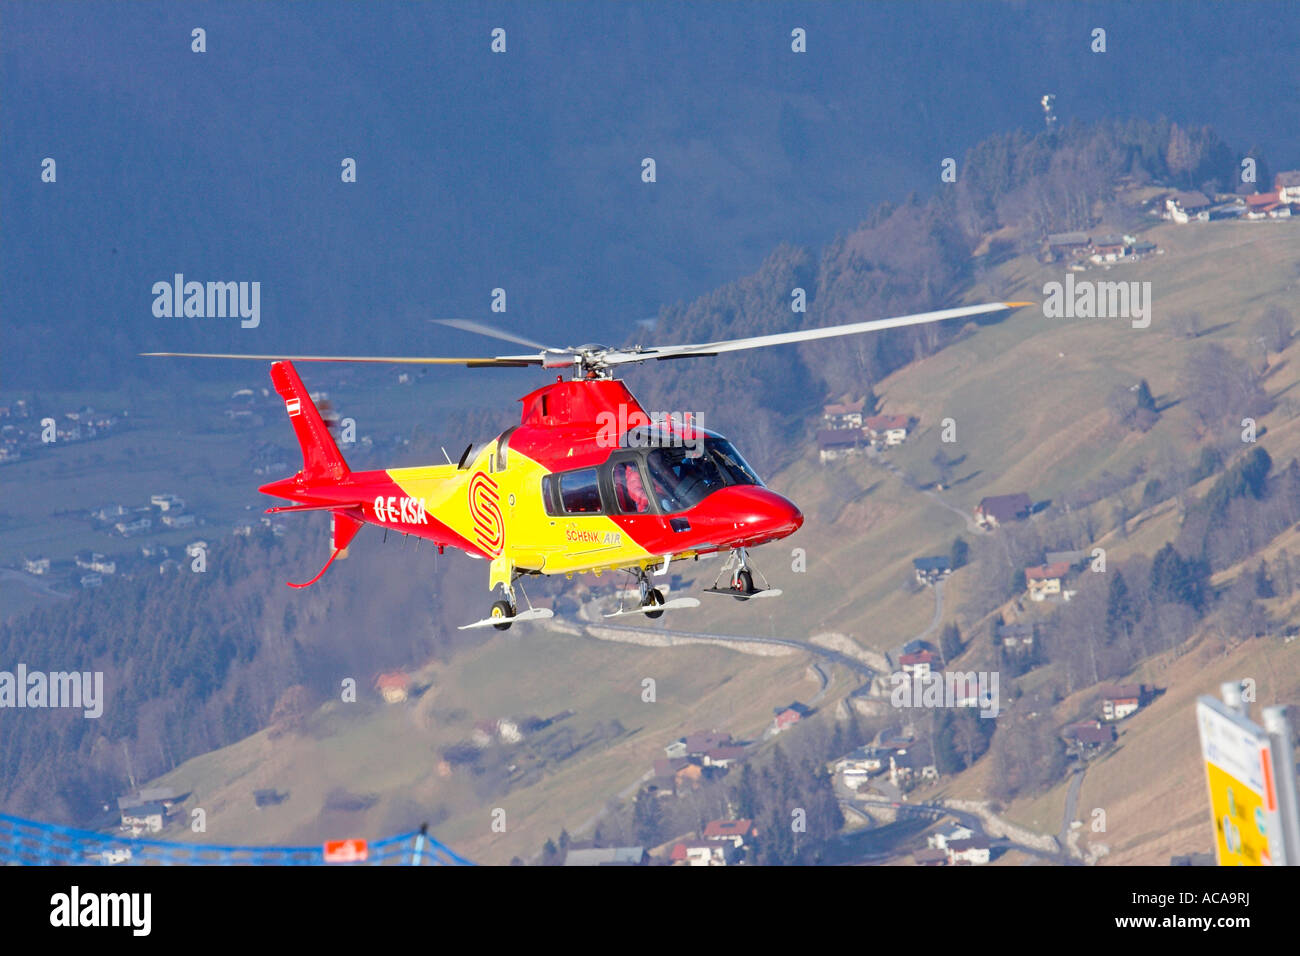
x,y
1243,791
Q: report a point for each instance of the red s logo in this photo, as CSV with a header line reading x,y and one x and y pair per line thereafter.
x,y
485,510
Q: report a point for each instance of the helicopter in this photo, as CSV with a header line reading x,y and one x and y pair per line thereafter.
x,y
587,481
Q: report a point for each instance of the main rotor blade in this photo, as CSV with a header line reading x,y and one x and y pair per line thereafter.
x,y
513,361
656,353
469,325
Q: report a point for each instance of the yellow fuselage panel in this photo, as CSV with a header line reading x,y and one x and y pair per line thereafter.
x,y
502,512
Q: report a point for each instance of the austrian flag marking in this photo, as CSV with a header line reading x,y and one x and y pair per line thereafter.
x,y
293,406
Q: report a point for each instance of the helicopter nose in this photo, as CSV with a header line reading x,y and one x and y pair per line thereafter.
x,y
761,515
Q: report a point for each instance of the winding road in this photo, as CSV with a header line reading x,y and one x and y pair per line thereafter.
x,y
966,819
826,653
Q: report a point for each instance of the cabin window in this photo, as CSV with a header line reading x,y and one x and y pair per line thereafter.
x,y
580,492
629,488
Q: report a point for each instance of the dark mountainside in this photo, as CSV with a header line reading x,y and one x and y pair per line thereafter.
x,y
523,171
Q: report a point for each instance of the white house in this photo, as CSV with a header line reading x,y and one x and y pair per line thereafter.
x,y
1287,185
972,851
955,831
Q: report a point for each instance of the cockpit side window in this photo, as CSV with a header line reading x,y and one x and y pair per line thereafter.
x,y
629,488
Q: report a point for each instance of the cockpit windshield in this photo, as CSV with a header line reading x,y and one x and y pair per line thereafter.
x,y
682,475
730,461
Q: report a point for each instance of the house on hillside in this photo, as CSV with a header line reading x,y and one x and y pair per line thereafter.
x,y
1287,186
931,569
1064,244
675,776
702,741
930,857
723,757
1044,580
735,832
607,856
844,415
1120,701
914,762
1089,735
973,851
36,565
1001,509
394,687
144,818
676,749
887,430
1260,205
94,561
1109,249
1017,637
141,525
918,664
703,853
946,835
1183,207
856,767
146,810
836,443
789,716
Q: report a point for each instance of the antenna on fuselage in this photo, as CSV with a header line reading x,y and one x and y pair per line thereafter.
x,y
447,456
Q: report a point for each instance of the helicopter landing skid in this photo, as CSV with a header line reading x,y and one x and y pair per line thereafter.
x,y
675,604
532,614
742,596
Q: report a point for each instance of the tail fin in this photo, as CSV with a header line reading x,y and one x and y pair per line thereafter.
x,y
321,458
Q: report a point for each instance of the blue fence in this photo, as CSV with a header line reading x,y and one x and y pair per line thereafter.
x,y
49,844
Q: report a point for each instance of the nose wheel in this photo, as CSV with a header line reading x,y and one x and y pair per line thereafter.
x,y
653,598
740,578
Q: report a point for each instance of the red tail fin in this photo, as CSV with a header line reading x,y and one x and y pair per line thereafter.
x,y
321,458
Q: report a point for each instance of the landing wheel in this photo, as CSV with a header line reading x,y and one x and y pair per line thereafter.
x,y
743,583
502,609
654,597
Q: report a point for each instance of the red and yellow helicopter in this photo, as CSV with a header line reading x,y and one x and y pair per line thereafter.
x,y
587,481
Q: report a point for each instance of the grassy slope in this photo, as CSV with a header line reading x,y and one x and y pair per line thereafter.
x,y
391,750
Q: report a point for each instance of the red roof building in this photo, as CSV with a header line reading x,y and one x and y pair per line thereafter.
x,y
394,687
883,423
1047,572
733,831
